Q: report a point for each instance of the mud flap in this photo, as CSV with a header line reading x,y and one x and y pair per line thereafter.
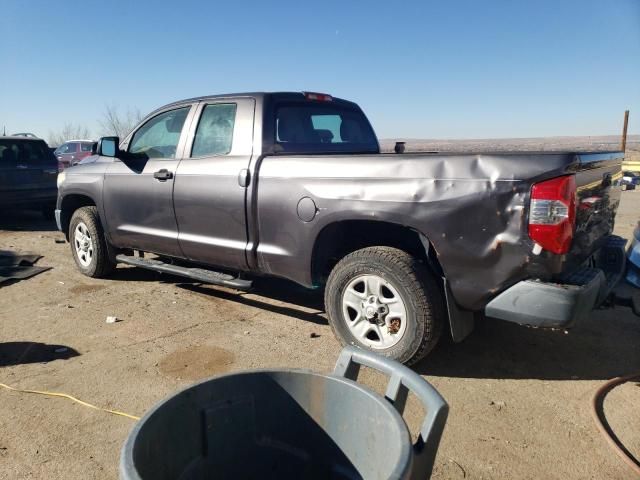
x,y
461,321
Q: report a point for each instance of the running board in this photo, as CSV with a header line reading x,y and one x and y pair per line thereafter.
x,y
207,276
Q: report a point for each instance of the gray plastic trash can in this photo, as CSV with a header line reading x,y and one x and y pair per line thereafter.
x,y
289,424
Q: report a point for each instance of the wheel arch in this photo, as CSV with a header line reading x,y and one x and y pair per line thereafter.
x,y
340,238
69,204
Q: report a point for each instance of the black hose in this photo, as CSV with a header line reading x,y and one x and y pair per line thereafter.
x,y
598,414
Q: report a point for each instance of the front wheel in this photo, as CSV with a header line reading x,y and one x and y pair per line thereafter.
x,y
88,244
383,299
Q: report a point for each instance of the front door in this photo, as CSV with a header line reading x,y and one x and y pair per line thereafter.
x,y
209,191
138,188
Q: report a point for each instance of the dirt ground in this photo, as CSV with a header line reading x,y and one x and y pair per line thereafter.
x,y
519,398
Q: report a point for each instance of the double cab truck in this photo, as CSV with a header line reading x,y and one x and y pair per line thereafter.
x,y
406,246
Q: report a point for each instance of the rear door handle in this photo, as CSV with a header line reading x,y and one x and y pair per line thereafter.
x,y
163,175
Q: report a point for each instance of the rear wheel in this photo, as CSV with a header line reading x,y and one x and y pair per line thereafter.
x,y
385,300
88,244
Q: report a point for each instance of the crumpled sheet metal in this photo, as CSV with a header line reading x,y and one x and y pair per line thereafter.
x,y
472,208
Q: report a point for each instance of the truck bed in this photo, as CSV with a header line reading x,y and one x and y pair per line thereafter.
x,y
472,209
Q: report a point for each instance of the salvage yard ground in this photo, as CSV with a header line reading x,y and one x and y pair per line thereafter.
x,y
519,398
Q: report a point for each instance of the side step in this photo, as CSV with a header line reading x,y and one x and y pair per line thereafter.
x,y
207,276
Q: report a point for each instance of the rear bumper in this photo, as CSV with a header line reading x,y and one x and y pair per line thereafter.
x,y
561,305
546,305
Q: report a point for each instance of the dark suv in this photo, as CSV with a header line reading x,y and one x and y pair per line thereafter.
x,y
70,153
28,171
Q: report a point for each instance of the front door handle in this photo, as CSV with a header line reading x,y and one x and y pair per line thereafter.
x,y
163,175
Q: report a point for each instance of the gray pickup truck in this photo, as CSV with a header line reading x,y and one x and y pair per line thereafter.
x,y
229,187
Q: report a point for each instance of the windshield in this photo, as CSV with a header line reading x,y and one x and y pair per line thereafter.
x,y
323,128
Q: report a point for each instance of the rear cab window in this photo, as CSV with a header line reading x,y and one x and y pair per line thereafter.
x,y
322,127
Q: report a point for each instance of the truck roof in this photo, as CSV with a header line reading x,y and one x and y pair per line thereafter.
x,y
21,137
257,95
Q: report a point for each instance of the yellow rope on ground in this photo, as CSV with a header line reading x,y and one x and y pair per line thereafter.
x,y
69,397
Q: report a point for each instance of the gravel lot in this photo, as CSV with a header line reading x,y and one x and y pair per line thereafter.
x,y
519,397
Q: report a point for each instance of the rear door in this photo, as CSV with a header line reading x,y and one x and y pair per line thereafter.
x,y
138,189
210,186
37,159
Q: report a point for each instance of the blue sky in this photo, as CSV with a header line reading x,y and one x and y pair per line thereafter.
x,y
421,69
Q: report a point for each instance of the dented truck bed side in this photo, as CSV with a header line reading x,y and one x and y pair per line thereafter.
x,y
471,208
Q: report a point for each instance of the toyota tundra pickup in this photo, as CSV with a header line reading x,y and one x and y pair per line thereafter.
x,y
229,187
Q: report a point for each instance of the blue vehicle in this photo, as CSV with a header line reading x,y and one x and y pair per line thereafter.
x,y
633,262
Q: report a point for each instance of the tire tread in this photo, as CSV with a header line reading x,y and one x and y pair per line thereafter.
x,y
103,265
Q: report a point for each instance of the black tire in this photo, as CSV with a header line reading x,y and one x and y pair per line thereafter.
x,y
416,286
99,265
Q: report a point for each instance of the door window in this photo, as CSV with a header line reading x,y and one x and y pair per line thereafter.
x,y
214,134
159,136
67,148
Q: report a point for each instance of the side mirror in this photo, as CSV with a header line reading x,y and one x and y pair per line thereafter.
x,y
108,146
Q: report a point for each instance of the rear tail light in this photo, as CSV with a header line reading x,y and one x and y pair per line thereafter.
x,y
553,213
